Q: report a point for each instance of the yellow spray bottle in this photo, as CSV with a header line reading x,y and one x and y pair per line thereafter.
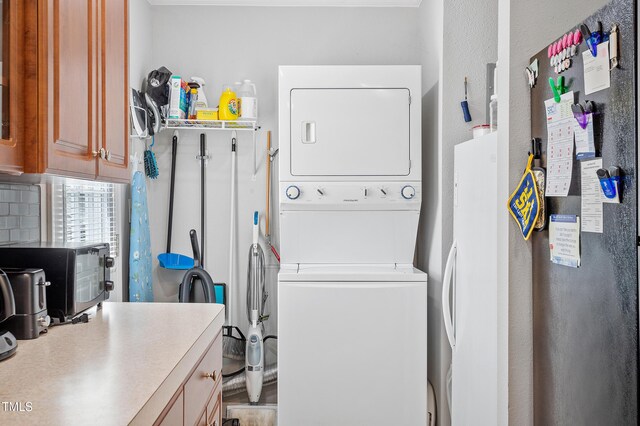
x,y
228,107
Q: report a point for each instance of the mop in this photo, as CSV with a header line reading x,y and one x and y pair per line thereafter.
x,y
233,347
256,296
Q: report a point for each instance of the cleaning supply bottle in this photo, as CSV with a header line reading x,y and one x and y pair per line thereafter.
x,y
193,101
248,101
202,98
228,107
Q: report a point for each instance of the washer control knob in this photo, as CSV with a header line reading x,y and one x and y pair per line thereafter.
x,y
384,192
408,192
293,192
320,192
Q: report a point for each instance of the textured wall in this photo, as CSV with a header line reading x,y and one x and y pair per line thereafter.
x,y
19,213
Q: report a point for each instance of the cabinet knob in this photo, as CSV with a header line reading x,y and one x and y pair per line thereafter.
x,y
108,156
101,152
213,375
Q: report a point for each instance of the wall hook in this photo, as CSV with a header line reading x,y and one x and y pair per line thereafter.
x,y
536,148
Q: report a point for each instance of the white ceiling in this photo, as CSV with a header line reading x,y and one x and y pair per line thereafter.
x,y
344,3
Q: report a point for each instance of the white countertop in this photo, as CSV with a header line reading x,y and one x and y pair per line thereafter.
x,y
122,366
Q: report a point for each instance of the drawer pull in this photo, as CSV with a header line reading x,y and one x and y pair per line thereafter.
x,y
213,375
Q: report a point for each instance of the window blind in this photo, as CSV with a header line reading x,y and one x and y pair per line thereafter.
x,y
86,212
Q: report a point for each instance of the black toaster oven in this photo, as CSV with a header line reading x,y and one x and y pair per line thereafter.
x,y
78,273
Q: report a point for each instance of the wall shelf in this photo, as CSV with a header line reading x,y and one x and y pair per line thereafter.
x,y
171,123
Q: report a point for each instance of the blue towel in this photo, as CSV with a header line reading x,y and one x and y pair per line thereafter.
x,y
140,285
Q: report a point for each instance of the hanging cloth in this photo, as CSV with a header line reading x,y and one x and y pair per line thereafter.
x,y
140,285
524,203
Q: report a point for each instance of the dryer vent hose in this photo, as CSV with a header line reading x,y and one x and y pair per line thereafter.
x,y
238,384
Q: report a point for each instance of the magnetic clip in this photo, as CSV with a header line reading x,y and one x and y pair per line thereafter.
x,y
613,47
610,184
582,112
557,88
593,39
532,73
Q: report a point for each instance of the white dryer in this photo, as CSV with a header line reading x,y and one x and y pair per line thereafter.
x,y
352,309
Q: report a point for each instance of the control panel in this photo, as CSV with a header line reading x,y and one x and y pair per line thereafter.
x,y
350,195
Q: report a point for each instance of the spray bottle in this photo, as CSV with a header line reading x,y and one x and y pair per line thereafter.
x,y
201,103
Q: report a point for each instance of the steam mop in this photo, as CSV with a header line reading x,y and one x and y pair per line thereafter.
x,y
256,296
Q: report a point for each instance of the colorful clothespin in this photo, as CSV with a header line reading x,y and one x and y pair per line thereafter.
x,y
557,89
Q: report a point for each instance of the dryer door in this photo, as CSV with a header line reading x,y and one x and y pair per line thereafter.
x,y
350,132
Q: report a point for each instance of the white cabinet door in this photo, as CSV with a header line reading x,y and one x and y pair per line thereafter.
x,y
352,353
350,132
475,355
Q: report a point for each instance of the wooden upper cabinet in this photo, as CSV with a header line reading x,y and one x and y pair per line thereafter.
x,y
114,100
80,73
12,93
71,87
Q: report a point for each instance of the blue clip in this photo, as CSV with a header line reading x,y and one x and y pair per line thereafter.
x,y
610,184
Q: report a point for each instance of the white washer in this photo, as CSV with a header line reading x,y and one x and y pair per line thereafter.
x,y
352,310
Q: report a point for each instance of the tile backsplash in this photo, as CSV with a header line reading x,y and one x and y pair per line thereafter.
x,y
19,213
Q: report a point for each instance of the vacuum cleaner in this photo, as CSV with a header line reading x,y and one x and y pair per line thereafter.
x,y
256,296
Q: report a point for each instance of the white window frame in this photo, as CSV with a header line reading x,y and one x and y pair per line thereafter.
x,y
52,203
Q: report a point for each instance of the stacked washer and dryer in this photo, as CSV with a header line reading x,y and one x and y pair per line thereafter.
x,y
352,309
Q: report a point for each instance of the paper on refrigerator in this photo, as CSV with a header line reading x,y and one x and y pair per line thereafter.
x,y
591,200
596,69
564,239
559,145
585,142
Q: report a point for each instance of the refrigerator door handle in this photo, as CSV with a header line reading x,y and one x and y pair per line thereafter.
x,y
446,291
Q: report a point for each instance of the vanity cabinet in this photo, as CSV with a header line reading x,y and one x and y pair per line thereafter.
x,y
199,400
69,115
